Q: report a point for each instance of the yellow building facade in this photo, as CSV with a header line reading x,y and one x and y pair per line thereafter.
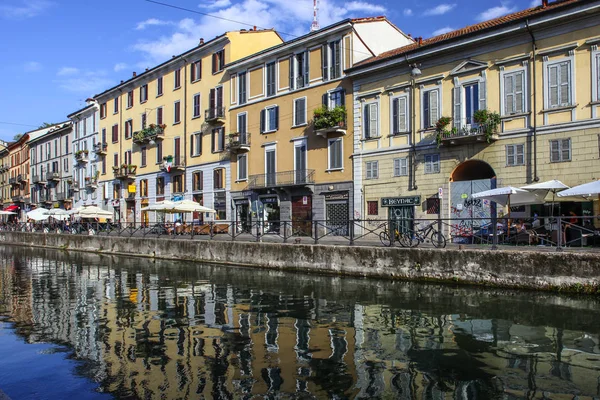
x,y
423,144
162,131
291,133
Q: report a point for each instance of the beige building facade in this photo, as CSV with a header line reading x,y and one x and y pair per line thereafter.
x,y
423,144
291,133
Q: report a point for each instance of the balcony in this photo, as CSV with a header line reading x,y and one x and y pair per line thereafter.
x,y
12,181
81,156
3,168
279,179
125,171
20,178
214,114
53,176
150,134
60,196
239,142
36,180
91,182
100,149
465,131
173,164
330,121
17,199
75,186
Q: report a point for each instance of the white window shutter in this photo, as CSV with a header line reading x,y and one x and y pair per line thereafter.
x,y
554,151
553,85
373,120
433,107
509,95
402,114
598,77
520,154
457,106
565,86
566,150
510,155
482,93
519,97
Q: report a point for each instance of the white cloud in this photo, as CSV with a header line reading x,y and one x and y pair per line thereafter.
x,y
495,12
32,66
440,9
120,67
287,17
407,12
65,71
441,31
151,22
216,4
364,6
24,9
85,82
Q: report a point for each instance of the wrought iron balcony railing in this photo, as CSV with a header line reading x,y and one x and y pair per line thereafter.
x,y
285,178
100,148
238,141
53,176
173,164
151,133
214,113
125,171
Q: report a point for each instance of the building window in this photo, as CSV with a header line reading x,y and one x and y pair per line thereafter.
x,y
196,71
127,157
269,119
242,119
372,207
242,167
159,152
372,169
559,84
103,165
144,161
177,79
298,71
218,61
560,150
115,159
160,185
335,154
514,93
433,205
177,184
103,110
220,205
197,105
196,144
144,188
128,129
334,98
144,93
370,118
177,112
197,181
242,88
300,111
400,120
515,154
130,99
431,110
116,191
219,178
159,86
218,140
115,107
401,166
596,75
271,80
115,133
331,59
143,121
432,164
159,116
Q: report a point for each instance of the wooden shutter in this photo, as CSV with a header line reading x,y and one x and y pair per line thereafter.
x,y
325,99
510,155
325,62
159,116
373,120
395,113
222,138
565,149
519,95
214,62
554,151
292,59
276,118
509,94
553,86
337,59
366,124
482,93
433,107
263,121
343,98
402,113
192,72
212,97
597,78
220,97
456,95
426,120
520,154
564,84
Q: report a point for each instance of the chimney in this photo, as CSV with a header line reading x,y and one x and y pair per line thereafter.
x,y
122,81
420,40
254,27
147,69
201,41
134,74
544,3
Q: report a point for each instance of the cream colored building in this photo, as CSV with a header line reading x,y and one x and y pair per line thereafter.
x,y
538,69
288,163
164,129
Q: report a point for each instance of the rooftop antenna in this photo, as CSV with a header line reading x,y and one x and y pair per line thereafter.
x,y
315,24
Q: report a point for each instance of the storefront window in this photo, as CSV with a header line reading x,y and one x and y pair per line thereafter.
x,y
220,206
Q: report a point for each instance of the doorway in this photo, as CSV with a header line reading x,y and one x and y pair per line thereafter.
x,y
302,215
401,218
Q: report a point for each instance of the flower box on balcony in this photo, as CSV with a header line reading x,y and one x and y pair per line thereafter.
x,y
151,133
328,120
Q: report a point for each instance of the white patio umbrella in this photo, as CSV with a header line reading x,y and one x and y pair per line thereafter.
x,y
587,189
39,214
94,212
58,214
165,205
552,186
190,206
509,195
2,212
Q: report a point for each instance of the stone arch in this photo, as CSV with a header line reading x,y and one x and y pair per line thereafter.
x,y
472,170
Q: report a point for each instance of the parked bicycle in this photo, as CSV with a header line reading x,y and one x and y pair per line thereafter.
x,y
399,237
419,236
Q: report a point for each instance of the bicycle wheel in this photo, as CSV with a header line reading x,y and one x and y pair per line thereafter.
x,y
437,239
385,239
408,239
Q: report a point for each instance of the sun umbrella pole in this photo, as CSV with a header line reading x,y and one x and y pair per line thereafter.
x,y
508,221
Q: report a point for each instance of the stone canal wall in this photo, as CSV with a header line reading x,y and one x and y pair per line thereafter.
x,y
507,268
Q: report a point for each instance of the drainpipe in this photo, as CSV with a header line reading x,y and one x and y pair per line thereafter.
x,y
183,152
533,49
121,131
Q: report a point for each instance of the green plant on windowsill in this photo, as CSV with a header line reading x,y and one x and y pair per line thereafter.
x,y
325,118
488,122
442,131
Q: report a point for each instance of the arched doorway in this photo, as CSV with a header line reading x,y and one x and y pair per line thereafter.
x,y
470,215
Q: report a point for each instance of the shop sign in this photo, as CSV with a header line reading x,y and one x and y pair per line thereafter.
x,y
400,201
336,196
269,200
179,197
239,202
130,188
304,200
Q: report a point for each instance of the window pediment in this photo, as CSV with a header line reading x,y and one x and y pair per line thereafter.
x,y
468,66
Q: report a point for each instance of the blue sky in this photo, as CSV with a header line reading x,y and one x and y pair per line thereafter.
x,y
57,53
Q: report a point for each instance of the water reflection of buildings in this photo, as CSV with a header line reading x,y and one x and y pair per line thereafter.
x,y
152,333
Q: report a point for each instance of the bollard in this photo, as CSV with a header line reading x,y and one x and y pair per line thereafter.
x,y
285,238
351,233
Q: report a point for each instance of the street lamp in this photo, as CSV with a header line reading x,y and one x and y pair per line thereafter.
x,y
414,73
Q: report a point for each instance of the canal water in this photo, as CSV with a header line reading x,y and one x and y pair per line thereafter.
x,y
85,326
